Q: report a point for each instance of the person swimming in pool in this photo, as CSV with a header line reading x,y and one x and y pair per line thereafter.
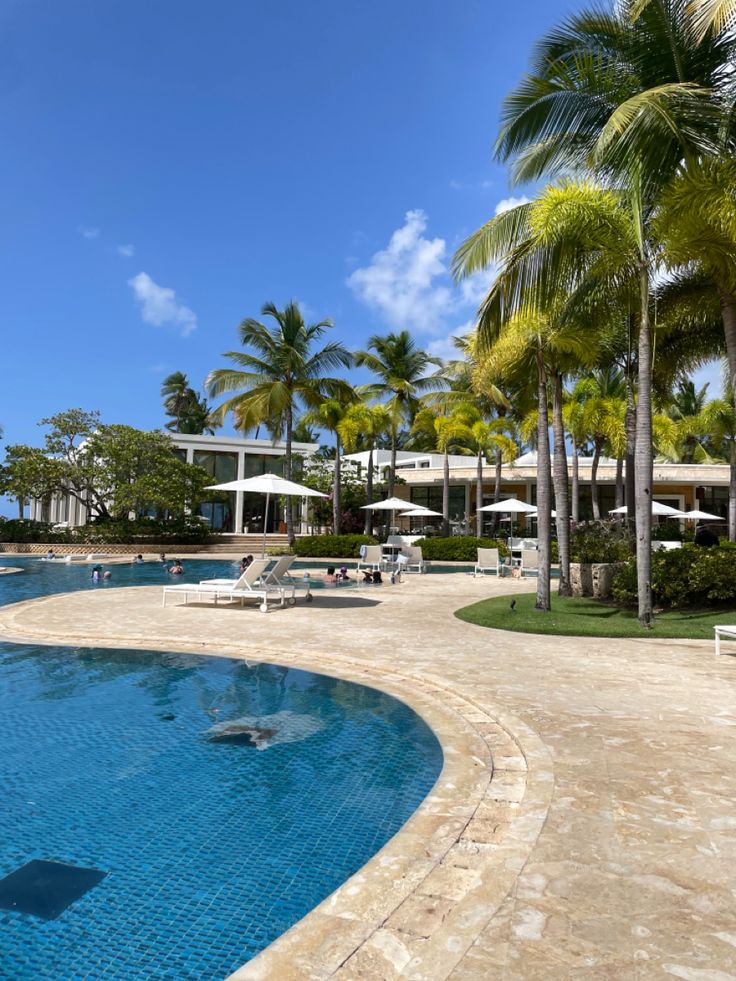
x,y
330,579
247,560
96,573
177,568
138,560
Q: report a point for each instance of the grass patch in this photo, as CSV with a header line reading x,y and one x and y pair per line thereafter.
x,y
580,617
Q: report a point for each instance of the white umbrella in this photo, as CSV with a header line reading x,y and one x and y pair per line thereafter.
x,y
510,506
553,514
268,484
391,504
661,510
420,513
702,516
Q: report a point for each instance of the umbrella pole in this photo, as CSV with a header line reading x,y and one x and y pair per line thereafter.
x,y
265,520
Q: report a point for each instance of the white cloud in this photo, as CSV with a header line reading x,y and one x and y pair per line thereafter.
x,y
407,282
87,232
508,203
159,305
126,250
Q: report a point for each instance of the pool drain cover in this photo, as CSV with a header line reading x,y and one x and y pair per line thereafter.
x,y
45,889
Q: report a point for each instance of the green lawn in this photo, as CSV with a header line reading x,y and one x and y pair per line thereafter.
x,y
589,618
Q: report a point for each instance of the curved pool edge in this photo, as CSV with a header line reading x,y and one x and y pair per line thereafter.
x,y
416,907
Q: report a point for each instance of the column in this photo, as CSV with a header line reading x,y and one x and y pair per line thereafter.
x,y
238,524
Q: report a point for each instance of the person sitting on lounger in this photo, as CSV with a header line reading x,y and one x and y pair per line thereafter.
x,y
177,568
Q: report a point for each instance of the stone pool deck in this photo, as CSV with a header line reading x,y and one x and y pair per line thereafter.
x,y
584,825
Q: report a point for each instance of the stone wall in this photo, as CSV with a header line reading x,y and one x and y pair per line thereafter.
x,y
593,578
85,548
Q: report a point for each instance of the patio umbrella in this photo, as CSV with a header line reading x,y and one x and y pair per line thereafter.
x,y
268,484
661,510
511,507
417,512
392,504
702,516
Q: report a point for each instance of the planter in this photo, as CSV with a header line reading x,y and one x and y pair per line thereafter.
x,y
593,578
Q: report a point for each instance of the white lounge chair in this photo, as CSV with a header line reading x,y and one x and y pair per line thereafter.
x,y
488,560
244,588
529,561
414,558
371,559
727,632
278,577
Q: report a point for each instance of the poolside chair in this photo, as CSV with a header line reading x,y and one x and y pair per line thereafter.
x,y
372,558
247,587
414,558
529,561
725,632
489,560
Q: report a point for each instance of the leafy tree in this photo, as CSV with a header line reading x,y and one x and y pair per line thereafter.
x,y
402,372
27,474
449,433
329,414
281,372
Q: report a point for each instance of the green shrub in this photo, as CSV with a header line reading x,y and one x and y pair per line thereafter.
x,y
600,541
667,531
687,576
460,548
31,531
331,546
113,532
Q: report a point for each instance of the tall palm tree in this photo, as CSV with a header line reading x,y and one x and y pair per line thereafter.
x,y
449,432
175,391
360,428
329,415
401,369
281,371
719,416
627,95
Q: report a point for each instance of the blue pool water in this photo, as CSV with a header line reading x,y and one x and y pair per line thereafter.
x,y
211,849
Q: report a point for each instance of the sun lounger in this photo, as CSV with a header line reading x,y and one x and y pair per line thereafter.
x,y
372,558
529,561
727,632
245,588
488,561
414,558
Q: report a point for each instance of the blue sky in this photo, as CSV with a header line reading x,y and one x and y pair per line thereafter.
x,y
168,167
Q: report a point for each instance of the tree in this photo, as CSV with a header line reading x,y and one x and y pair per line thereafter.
x,y
627,96
719,416
448,432
602,400
329,414
281,372
360,428
401,369
26,474
189,410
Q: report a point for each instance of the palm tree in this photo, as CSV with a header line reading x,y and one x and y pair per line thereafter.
x,y
281,371
401,369
448,432
602,400
486,438
360,427
329,415
627,95
175,393
719,416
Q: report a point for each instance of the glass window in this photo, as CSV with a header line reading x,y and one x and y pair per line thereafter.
x,y
222,466
712,499
256,464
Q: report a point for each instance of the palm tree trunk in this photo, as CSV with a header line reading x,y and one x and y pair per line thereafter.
x,y
619,482
594,499
21,508
336,489
287,474
643,458
497,488
728,315
732,495
479,496
630,424
544,519
446,495
368,526
392,471
562,498
575,483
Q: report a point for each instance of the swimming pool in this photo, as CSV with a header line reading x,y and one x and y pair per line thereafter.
x,y
217,801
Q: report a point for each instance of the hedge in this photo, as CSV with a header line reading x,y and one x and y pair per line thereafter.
x,y
331,546
113,532
687,576
459,548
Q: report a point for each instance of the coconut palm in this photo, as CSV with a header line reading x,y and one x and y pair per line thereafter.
x,y
281,371
360,428
602,400
449,432
627,95
719,416
401,369
329,415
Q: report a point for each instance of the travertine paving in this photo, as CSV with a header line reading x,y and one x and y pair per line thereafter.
x,y
584,825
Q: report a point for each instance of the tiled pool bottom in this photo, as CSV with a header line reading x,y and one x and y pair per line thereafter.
x,y
212,849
